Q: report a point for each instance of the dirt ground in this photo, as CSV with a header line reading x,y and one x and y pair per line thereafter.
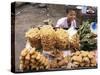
x,y
28,16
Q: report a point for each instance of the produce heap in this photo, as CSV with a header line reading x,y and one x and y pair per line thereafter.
x,y
46,38
47,35
83,59
88,40
61,39
75,42
33,60
33,36
58,60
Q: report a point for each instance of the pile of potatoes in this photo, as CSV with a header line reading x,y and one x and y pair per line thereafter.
x,y
83,59
32,60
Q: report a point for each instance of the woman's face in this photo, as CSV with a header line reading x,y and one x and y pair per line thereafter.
x,y
71,15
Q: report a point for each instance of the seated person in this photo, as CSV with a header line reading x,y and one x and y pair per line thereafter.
x,y
68,21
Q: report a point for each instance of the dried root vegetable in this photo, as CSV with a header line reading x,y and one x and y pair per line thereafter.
x,y
58,60
74,42
24,60
61,62
47,34
83,59
33,60
38,61
56,53
33,36
61,39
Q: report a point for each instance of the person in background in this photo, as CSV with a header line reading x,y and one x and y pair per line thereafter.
x,y
68,21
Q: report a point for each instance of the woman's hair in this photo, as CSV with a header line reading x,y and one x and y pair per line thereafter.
x,y
70,9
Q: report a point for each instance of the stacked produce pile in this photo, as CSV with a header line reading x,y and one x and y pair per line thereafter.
x,y
24,59
47,35
62,39
83,59
59,63
38,61
48,39
33,36
88,39
33,60
54,42
74,42
58,60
